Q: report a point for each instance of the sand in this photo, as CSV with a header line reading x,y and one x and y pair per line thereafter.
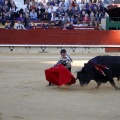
x,y
25,96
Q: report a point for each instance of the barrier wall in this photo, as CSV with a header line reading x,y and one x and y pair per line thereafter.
x,y
60,37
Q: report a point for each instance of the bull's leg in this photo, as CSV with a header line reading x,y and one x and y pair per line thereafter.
x,y
113,84
98,85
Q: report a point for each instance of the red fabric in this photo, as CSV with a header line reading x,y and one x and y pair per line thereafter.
x,y
59,75
87,19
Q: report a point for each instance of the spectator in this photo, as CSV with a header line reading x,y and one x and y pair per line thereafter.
x,y
10,25
11,15
54,11
50,9
59,11
27,21
20,26
46,16
70,26
21,18
54,17
69,11
1,8
39,15
100,7
78,17
55,7
44,26
30,26
2,18
63,5
78,23
73,19
92,17
52,3
76,11
81,4
86,19
42,9
2,2
66,18
74,4
33,15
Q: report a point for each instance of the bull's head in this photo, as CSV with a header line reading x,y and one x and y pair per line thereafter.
x,y
84,76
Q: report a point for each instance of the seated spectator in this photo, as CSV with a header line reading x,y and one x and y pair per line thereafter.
x,y
63,5
46,5
73,19
46,16
52,2
58,23
42,9
76,11
39,15
20,26
74,3
27,20
44,26
54,17
81,4
10,25
6,7
77,24
21,18
50,9
66,18
11,15
26,10
32,4
59,11
82,13
86,19
55,7
40,12
78,17
2,2
92,17
2,18
33,15
91,24
69,11
13,6
29,26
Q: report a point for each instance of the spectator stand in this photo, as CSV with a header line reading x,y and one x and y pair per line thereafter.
x,y
70,10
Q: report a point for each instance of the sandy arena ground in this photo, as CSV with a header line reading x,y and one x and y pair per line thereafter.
x,y
25,96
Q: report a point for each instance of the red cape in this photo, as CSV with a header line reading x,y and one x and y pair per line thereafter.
x,y
59,75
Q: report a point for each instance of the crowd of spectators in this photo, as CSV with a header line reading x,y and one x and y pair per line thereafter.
x,y
55,12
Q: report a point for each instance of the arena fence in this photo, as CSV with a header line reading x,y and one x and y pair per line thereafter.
x,y
53,40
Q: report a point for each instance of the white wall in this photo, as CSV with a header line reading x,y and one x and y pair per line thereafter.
x,y
20,4
103,23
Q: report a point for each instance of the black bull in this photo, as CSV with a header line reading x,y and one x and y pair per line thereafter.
x,y
101,69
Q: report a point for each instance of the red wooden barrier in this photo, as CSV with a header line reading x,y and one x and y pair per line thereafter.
x,y
60,37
